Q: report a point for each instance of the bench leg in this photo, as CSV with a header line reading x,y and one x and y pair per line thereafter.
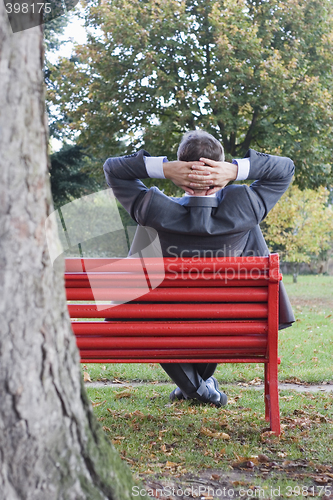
x,y
274,410
267,402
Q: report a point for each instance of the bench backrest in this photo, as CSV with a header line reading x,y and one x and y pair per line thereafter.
x,y
208,309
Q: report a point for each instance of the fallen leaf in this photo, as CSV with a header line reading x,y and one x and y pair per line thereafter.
x,y
171,465
268,435
214,434
239,483
256,381
86,377
246,464
116,381
123,394
138,413
96,403
293,380
321,480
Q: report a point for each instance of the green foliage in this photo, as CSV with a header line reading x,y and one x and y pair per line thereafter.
x,y
71,175
253,73
52,31
300,225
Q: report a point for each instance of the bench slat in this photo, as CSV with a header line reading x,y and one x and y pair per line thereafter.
x,y
202,359
105,281
207,342
253,294
167,328
164,311
171,264
164,355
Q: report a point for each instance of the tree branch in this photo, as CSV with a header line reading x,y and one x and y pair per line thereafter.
x,y
248,138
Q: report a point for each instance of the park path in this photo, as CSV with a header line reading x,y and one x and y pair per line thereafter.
x,y
282,386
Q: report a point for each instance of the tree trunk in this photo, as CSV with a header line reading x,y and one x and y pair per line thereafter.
x,y
295,271
51,446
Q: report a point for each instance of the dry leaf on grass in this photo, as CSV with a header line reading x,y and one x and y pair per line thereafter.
x,y
245,462
255,381
321,480
269,436
172,465
214,434
123,394
116,381
86,377
98,403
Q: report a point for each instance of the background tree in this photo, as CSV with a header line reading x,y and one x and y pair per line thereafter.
x,y
300,226
72,175
51,446
253,73
52,31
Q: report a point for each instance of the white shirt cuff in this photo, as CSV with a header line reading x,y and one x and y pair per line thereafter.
x,y
243,168
154,166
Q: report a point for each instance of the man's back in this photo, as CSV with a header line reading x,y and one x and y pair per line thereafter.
x,y
224,225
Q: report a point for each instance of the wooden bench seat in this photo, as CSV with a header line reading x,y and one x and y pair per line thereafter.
x,y
219,310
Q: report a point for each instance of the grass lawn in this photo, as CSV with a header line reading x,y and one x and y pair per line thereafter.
x,y
150,431
167,442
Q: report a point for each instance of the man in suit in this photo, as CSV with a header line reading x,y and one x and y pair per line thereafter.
x,y
212,219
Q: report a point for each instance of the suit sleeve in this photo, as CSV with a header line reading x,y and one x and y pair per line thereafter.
x,y
122,175
272,176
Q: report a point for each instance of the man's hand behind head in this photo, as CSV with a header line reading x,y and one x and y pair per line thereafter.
x,y
212,176
202,177
178,172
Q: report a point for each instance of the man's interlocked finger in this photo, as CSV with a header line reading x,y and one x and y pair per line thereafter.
x,y
202,184
200,177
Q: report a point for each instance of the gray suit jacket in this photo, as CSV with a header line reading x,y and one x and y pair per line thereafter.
x,y
227,225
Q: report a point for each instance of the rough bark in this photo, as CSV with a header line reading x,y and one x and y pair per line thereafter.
x,y
51,447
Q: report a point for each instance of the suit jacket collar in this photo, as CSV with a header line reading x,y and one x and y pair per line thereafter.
x,y
200,201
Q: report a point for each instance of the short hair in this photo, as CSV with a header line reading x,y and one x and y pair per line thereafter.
x,y
198,143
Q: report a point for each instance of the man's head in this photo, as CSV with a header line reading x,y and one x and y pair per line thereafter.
x,y
198,144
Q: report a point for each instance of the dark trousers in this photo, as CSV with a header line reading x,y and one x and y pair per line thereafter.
x,y
190,377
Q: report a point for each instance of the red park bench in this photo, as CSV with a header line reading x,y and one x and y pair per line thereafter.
x,y
218,310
